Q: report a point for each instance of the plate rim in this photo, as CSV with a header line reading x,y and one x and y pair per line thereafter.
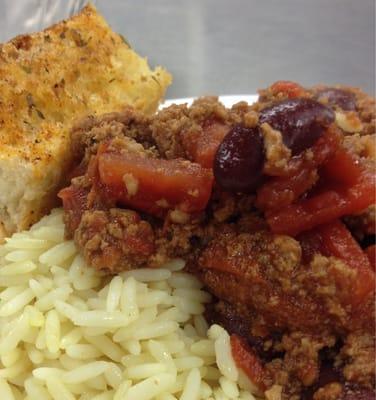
x,y
227,100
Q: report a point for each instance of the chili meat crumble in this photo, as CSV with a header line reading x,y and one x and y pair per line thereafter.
x,y
273,207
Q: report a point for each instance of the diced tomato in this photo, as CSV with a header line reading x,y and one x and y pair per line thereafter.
x,y
339,196
338,242
280,192
371,254
321,152
343,168
289,88
235,264
300,175
334,239
202,150
155,185
321,209
247,360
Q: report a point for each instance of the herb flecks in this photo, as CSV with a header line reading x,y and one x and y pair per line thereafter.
x,y
77,38
26,68
31,105
156,80
30,100
40,114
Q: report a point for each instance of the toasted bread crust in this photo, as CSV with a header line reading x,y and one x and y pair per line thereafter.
x,y
48,80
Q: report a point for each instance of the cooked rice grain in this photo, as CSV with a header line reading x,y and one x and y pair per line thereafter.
x,y
67,332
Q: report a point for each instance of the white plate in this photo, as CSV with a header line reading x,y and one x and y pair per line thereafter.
x,y
228,101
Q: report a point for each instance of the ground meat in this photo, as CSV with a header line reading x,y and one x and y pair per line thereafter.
x,y
88,133
349,122
337,391
363,146
115,240
303,306
177,127
177,240
331,391
264,272
119,239
301,357
357,358
276,153
225,206
365,107
301,362
168,127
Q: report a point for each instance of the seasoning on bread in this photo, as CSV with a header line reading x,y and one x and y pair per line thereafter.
x,y
48,80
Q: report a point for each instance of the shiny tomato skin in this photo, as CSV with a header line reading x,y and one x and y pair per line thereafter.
x,y
247,360
338,242
157,185
345,188
288,88
204,148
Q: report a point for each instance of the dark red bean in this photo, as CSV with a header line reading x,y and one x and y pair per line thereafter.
x,y
301,121
239,160
338,97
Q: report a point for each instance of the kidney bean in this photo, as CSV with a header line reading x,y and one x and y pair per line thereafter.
x,y
338,97
239,160
301,121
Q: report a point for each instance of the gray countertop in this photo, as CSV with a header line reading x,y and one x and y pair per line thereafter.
x,y
233,46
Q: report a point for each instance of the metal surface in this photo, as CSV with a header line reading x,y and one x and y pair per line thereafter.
x,y
237,46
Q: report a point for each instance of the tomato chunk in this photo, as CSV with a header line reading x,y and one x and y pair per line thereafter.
x,y
334,239
347,187
281,192
343,168
155,185
300,175
247,360
289,88
338,242
203,148
322,208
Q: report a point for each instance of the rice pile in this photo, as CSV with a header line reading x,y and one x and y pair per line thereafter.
x,y
69,333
